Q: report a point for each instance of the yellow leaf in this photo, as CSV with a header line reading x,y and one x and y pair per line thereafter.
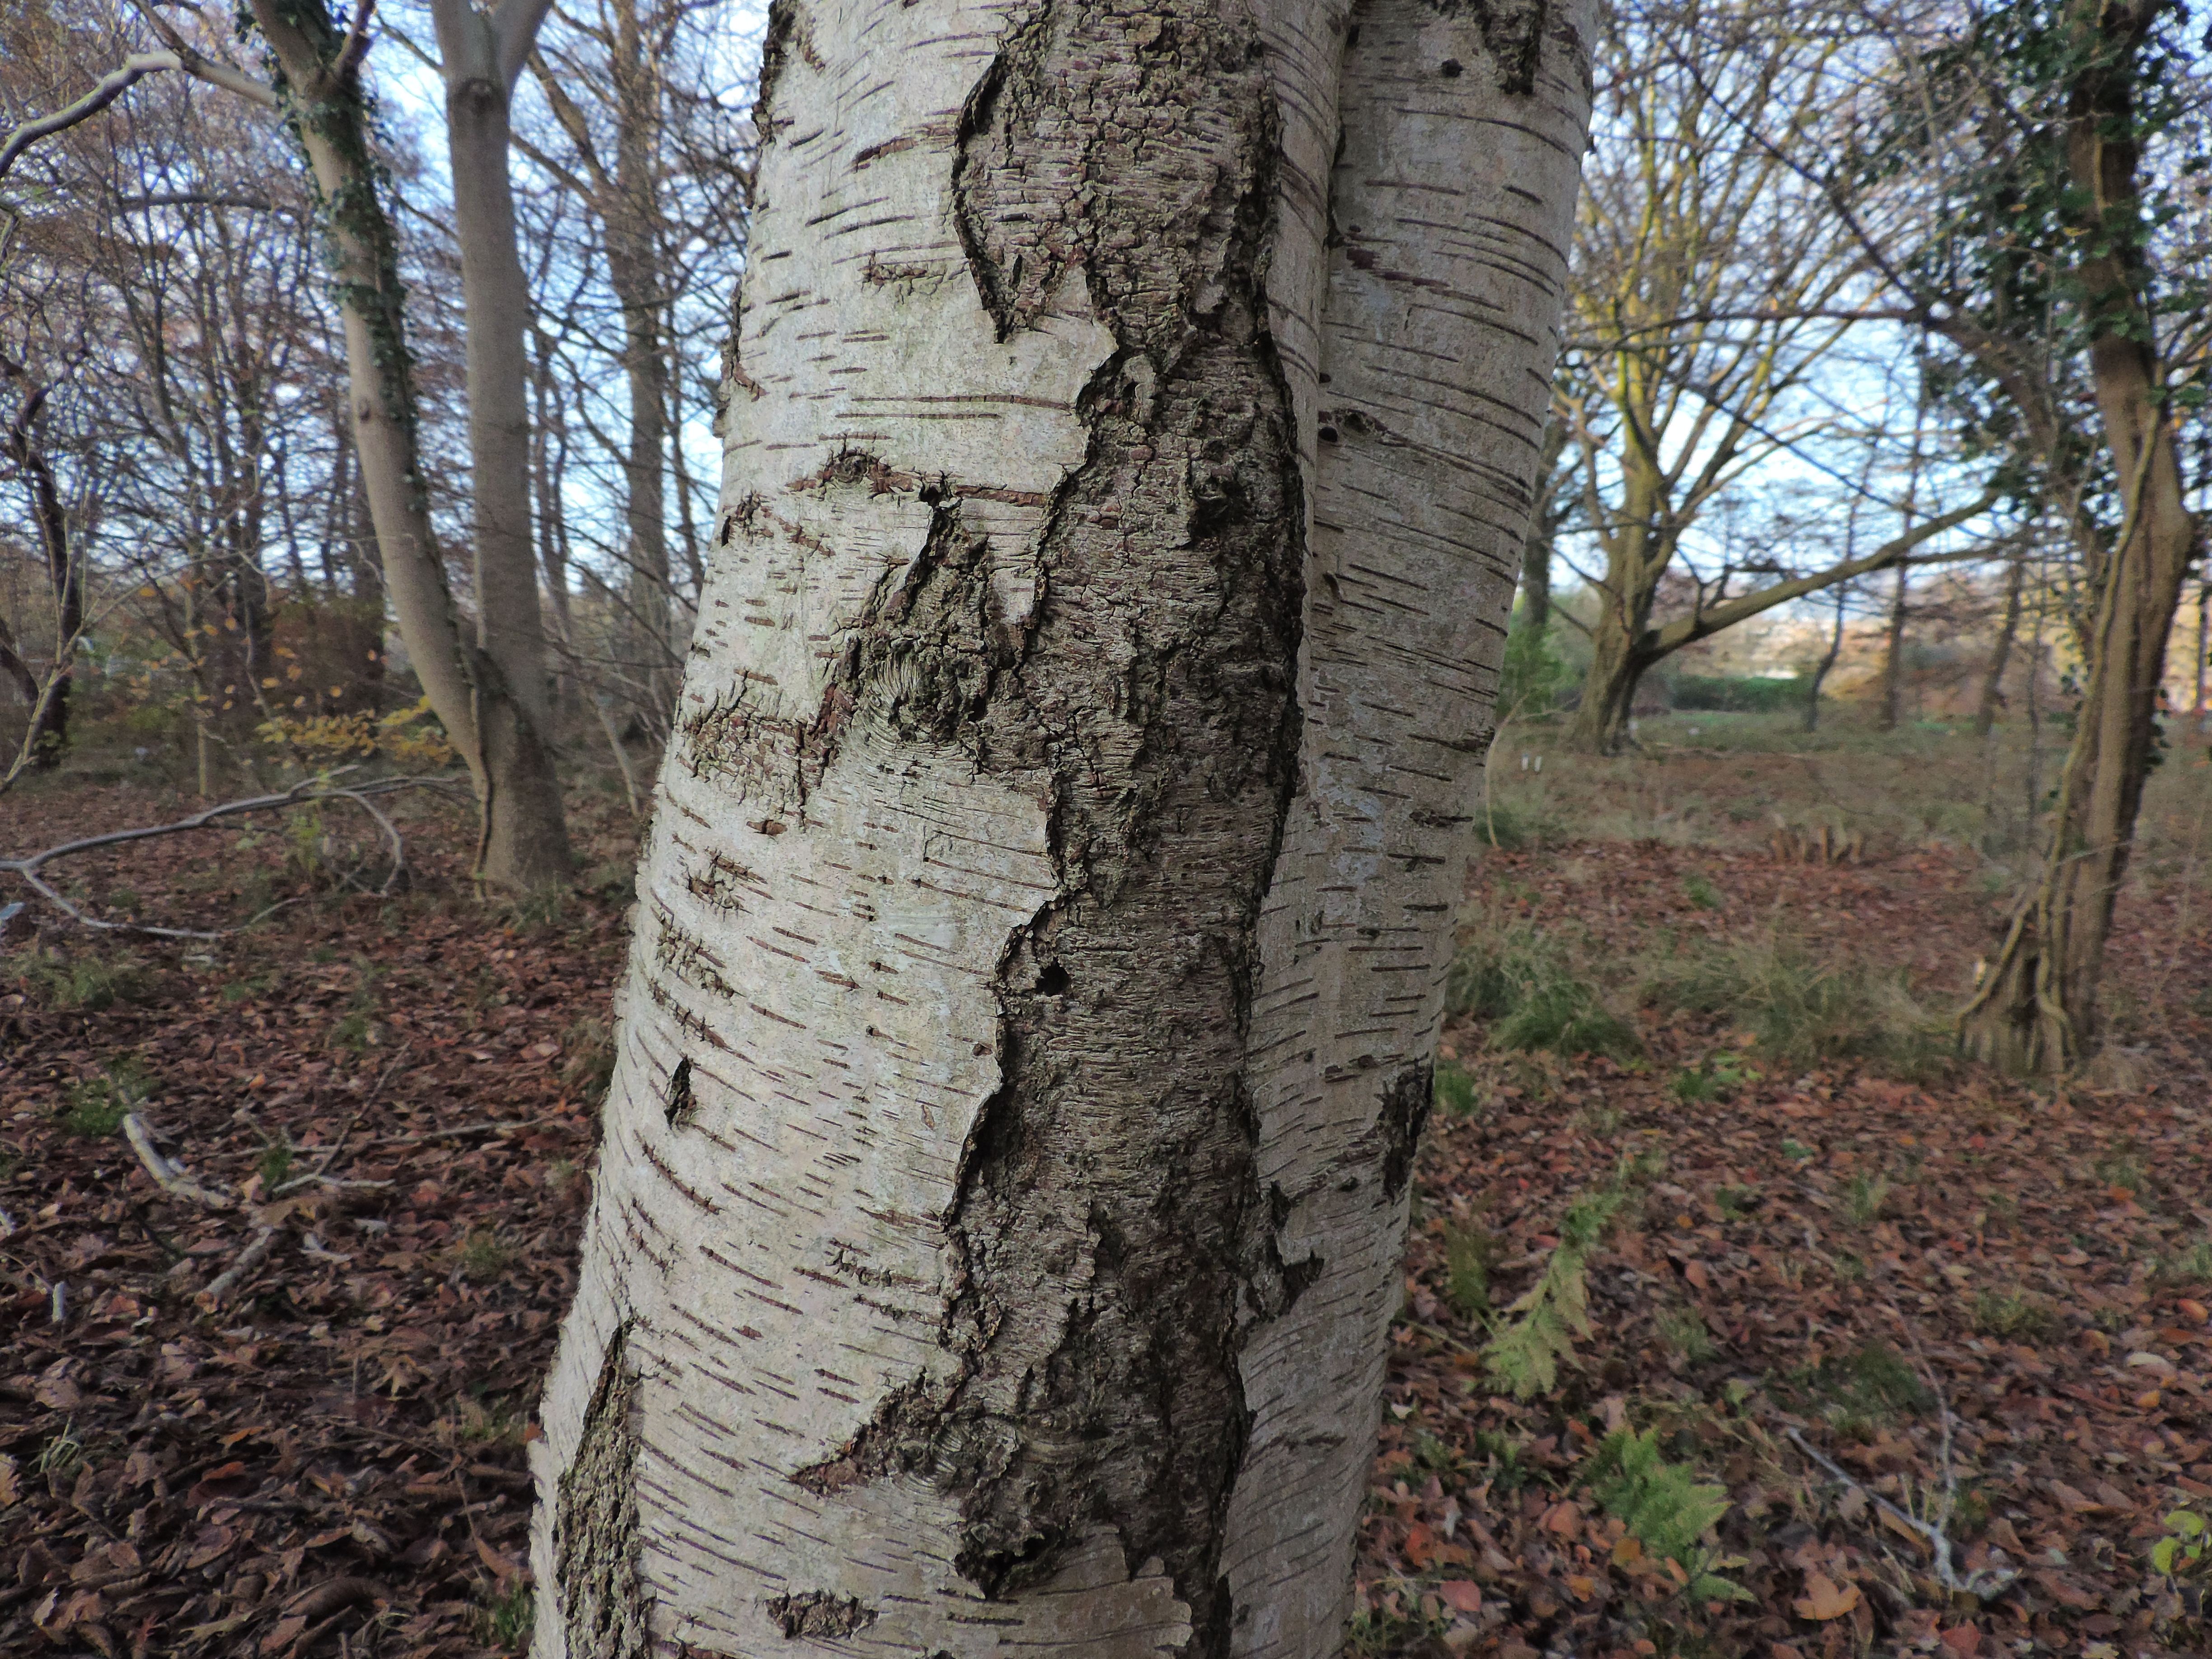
x,y
1824,1599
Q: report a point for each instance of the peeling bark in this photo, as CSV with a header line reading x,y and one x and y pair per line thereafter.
x,y
1045,923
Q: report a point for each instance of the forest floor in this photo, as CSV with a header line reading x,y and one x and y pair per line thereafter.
x,y
1695,1079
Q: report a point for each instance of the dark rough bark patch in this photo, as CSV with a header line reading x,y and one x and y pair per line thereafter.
x,y
1405,1111
596,1538
682,1107
786,37
1513,33
820,1612
1110,1240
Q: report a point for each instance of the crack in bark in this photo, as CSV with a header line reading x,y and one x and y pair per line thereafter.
x,y
1110,1243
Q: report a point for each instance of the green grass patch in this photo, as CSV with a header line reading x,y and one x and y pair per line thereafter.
x,y
1520,983
1470,1256
2009,1314
1866,1388
96,1107
1799,1011
87,982
1454,1089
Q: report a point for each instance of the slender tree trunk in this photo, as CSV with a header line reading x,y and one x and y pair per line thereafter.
x,y
47,740
1827,666
634,272
2036,1007
523,843
1000,1210
1893,657
1992,698
510,625
525,848
2203,649
1543,532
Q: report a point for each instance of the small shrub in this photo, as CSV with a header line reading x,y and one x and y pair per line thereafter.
x,y
483,1256
2186,1547
2012,1313
1433,1452
1743,694
1523,1357
1470,1254
478,1424
1454,1089
274,1165
1501,1454
587,1057
1519,982
1799,1011
2191,1266
542,911
63,1451
2123,1168
90,983
1867,1388
1735,1203
1533,678
1701,892
506,1616
1718,1078
1665,1508
1865,1198
1521,826
1684,1331
97,1107
1564,1016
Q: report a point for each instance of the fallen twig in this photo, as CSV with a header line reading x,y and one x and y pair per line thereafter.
x,y
250,1258
171,1178
1986,1582
468,1129
308,793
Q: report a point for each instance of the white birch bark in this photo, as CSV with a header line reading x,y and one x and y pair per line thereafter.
x,y
1042,932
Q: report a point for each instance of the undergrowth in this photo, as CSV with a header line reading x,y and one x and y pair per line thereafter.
x,y
1799,1011
1520,982
84,981
1539,1329
1666,1509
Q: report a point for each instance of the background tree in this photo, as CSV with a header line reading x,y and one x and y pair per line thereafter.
x,y
1710,282
2041,260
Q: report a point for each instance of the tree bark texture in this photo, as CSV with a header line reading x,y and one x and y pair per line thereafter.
x,y
1130,438
2035,1009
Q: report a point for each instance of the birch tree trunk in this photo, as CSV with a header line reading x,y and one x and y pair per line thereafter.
x,y
1130,439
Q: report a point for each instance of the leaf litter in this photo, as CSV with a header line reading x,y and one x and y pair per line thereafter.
x,y
1985,1307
